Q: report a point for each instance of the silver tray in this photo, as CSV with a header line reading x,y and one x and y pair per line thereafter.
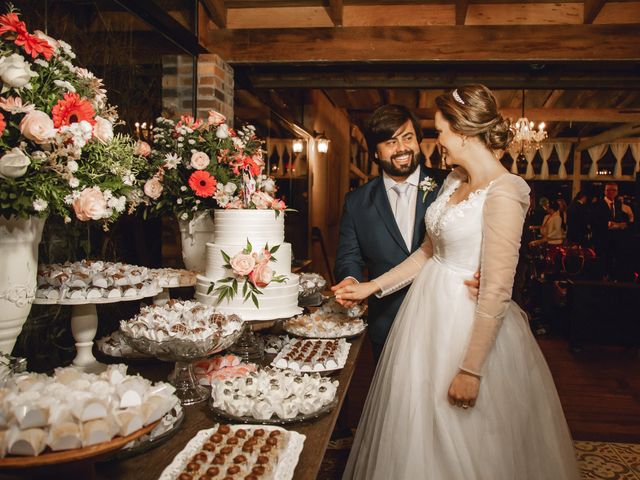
x,y
275,420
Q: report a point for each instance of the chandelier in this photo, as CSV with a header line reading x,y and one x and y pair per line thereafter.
x,y
526,138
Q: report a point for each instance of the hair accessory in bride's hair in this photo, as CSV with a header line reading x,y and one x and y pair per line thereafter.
x,y
457,97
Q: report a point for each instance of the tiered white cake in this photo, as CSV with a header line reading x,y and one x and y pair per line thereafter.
x,y
232,229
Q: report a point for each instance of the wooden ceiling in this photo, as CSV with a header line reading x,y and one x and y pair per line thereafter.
x,y
578,62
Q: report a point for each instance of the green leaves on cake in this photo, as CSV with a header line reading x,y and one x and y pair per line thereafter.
x,y
251,268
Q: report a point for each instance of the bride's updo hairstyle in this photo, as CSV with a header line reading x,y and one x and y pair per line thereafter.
x,y
472,111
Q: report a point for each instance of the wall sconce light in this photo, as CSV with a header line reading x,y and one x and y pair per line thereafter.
x,y
297,145
322,142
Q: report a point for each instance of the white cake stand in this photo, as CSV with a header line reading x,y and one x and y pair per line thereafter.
x,y
84,325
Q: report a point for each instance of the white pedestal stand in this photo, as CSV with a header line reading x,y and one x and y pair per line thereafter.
x,y
84,325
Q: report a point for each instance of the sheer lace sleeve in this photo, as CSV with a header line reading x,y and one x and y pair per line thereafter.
x,y
402,275
504,211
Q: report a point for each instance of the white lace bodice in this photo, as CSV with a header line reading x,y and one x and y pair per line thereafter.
x,y
455,231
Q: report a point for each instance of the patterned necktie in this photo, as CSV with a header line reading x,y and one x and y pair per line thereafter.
x,y
402,211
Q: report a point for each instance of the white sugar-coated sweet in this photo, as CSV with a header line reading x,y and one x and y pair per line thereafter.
x,y
74,408
186,320
285,394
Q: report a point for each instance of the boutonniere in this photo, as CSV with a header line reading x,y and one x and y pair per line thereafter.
x,y
427,185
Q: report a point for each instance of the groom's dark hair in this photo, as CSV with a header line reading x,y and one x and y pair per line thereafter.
x,y
384,122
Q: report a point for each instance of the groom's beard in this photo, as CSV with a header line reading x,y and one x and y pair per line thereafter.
x,y
389,168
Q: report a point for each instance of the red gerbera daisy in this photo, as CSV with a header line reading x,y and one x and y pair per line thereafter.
x,y
202,183
72,109
3,124
9,22
34,46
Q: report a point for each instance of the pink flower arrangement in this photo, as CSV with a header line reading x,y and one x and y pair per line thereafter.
x,y
251,268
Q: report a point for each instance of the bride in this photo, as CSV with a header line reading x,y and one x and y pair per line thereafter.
x,y
462,390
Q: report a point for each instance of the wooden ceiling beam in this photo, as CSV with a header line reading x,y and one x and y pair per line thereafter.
x,y
597,115
217,12
610,135
591,9
552,98
461,11
335,11
537,43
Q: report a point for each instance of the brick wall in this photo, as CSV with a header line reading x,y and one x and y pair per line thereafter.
x,y
215,85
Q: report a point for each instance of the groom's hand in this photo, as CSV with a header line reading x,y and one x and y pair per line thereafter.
x,y
345,303
474,285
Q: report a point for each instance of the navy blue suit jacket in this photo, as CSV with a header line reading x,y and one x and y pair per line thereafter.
x,y
370,236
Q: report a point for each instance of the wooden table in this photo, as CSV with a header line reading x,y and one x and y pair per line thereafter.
x,y
149,465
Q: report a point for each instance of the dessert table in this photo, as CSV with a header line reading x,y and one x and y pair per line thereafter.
x,y
150,465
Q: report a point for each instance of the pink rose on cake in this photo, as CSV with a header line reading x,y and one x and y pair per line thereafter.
x,y
243,264
142,148
90,205
278,205
261,276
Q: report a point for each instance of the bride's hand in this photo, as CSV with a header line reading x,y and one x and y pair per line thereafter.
x,y
463,390
355,292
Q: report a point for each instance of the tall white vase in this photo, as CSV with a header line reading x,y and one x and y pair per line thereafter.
x,y
19,239
195,234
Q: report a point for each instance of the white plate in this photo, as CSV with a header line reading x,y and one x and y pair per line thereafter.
x,y
286,348
283,469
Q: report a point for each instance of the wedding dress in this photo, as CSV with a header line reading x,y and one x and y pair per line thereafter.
x,y
408,429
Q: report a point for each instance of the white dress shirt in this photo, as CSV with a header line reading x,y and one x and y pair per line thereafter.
x,y
413,181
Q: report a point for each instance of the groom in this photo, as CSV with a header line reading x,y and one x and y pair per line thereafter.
x,y
383,220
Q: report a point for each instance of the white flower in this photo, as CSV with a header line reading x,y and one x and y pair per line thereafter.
x,y
222,198
67,219
128,179
38,127
107,194
72,166
191,141
39,155
427,185
103,129
179,201
200,160
74,182
117,204
269,185
66,48
15,71
183,188
230,188
41,62
222,131
66,85
171,161
198,202
184,216
239,144
79,133
51,41
40,205
14,163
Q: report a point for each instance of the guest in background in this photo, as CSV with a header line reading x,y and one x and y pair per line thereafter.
x,y
578,225
611,233
551,228
562,210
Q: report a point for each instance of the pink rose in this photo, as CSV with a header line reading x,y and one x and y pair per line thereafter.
x,y
262,200
234,204
242,264
38,127
142,148
103,129
261,276
216,118
153,188
278,205
90,205
200,160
